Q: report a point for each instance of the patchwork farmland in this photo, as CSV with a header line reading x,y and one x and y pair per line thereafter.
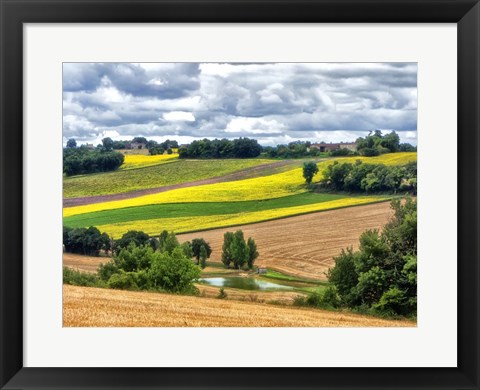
x,y
297,231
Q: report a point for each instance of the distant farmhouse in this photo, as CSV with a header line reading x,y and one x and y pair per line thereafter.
x,y
330,147
137,145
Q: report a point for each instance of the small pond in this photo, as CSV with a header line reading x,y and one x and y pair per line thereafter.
x,y
243,283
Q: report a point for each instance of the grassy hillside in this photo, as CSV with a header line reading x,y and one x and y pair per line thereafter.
x,y
177,171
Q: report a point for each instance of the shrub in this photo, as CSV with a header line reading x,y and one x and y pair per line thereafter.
x,y
341,152
105,271
77,278
222,294
173,272
134,258
123,281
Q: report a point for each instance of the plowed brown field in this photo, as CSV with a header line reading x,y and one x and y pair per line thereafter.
x,y
305,245
93,307
83,263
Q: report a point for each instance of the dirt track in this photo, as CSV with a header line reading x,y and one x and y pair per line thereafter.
x,y
304,245
260,170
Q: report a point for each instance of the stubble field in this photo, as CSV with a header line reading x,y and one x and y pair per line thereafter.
x,y
84,307
305,245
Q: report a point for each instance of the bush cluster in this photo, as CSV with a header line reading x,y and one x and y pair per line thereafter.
x,y
143,268
77,278
140,262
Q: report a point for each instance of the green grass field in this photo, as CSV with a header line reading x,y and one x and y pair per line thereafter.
x,y
159,175
176,210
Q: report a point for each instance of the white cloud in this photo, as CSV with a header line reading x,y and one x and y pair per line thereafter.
x,y
254,126
180,116
272,102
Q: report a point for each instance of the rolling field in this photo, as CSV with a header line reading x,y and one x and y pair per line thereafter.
x,y
92,307
133,161
178,210
177,171
304,246
198,223
277,185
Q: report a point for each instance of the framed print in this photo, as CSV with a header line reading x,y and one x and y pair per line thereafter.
x,y
224,194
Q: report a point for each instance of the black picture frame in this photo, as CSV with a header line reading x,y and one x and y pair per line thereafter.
x,y
14,13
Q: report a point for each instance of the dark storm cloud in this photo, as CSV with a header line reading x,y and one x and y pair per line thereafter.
x,y
273,102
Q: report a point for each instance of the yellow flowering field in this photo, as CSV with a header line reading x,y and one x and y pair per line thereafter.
x,y
266,187
142,161
186,224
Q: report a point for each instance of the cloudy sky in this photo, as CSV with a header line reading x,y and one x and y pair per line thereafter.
x,y
272,102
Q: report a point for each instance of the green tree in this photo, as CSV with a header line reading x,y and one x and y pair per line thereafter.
x,y
227,256
344,275
310,169
197,244
187,249
203,257
107,144
239,249
138,238
252,252
134,258
71,143
168,242
173,272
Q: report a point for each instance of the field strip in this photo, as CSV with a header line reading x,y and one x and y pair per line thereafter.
x,y
159,175
199,223
304,246
178,210
135,161
83,263
259,188
93,307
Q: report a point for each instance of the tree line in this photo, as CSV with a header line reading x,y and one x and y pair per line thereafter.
x,y
375,144
369,178
160,263
295,149
82,160
221,148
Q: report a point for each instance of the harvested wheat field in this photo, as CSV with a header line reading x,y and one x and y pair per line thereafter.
x,y
93,307
83,263
305,245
